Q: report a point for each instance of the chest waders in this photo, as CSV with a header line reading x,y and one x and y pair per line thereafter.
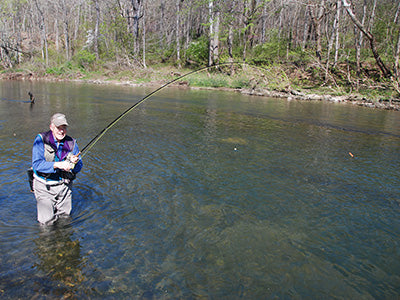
x,y
53,153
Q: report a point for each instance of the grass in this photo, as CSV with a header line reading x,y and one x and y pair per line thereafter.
x,y
274,77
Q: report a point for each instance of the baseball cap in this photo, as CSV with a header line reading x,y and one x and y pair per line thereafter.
x,y
59,119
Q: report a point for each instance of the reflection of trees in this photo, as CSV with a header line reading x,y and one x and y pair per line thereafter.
x,y
59,258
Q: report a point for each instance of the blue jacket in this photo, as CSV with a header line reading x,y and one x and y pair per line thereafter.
x,y
46,150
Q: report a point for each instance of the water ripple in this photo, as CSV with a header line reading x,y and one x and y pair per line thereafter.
x,y
198,194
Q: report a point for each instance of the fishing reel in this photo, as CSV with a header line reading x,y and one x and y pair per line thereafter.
x,y
68,159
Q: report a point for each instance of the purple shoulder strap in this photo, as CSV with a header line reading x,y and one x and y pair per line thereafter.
x,y
68,143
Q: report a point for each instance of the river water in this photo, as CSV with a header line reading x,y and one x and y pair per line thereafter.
x,y
203,194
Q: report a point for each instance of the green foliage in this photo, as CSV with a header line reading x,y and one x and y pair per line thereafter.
x,y
274,49
85,59
198,51
220,79
240,82
207,80
299,57
55,57
163,55
60,70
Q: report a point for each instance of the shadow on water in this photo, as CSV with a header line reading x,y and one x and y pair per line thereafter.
x,y
12,100
59,260
55,267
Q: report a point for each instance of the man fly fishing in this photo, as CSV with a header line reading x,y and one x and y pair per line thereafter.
x,y
55,162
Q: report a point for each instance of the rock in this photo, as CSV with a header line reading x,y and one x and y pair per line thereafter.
x,y
296,93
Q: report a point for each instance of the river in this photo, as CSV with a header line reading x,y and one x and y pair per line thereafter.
x,y
203,194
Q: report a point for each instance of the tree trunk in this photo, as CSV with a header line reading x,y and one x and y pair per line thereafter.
x,y
96,29
396,63
178,32
337,32
385,71
397,53
211,40
144,38
214,17
331,39
136,5
77,20
316,19
216,38
334,34
264,24
57,34
359,40
230,43
45,53
372,19
307,29
66,29
248,14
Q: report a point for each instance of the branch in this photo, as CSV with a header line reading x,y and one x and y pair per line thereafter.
x,y
6,46
370,37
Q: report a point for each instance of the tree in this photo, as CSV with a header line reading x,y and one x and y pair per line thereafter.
x,y
178,32
317,13
96,30
214,20
385,71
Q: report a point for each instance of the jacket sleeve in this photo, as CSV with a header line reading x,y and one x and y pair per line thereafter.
x,y
79,164
39,162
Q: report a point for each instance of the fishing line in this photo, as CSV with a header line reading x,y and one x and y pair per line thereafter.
x,y
109,126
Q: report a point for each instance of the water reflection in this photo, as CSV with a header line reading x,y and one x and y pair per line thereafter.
x,y
59,260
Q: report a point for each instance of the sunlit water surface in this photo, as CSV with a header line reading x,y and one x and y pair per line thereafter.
x,y
204,194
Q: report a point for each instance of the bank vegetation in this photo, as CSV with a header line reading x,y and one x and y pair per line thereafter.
x,y
337,50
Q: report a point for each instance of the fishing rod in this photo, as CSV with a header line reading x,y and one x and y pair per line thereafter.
x,y
94,140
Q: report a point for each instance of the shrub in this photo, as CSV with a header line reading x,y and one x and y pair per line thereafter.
x,y
85,59
207,80
198,51
60,70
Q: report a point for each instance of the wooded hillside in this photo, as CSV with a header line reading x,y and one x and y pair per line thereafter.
x,y
336,41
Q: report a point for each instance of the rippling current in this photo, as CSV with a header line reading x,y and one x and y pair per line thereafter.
x,y
204,194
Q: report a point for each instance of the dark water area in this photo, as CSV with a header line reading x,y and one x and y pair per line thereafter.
x,y
203,194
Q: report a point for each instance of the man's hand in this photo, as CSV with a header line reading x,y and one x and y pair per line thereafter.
x,y
63,165
68,164
74,158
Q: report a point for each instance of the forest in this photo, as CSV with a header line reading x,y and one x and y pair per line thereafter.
x,y
340,46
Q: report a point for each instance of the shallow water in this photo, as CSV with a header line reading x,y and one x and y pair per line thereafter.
x,y
204,194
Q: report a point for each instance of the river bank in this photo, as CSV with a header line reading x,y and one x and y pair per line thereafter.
x,y
288,94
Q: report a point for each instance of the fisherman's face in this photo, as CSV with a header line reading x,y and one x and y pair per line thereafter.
x,y
58,132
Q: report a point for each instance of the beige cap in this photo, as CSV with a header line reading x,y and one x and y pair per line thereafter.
x,y
59,119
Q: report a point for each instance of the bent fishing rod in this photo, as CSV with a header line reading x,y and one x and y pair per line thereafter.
x,y
102,132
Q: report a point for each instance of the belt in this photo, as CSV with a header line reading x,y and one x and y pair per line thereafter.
x,y
49,182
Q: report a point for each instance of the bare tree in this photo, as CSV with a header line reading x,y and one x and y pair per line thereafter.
x,y
249,14
317,13
96,28
144,37
178,32
133,19
214,16
42,26
65,18
397,53
385,71
358,38
337,25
